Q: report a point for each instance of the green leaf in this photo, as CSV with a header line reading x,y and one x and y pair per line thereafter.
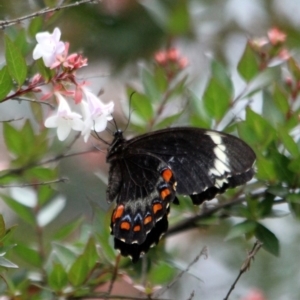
x,y
254,130
168,121
58,277
218,93
248,66
270,111
240,229
161,273
22,211
101,225
78,271
5,263
2,227
293,198
21,41
90,253
64,254
280,97
46,72
179,21
149,85
294,165
35,26
141,106
6,83
16,63
269,240
265,206
161,80
263,79
37,111
288,142
67,229
265,169
48,213
28,255
294,68
12,139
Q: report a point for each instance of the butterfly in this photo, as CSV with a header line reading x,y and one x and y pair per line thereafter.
x,y
148,171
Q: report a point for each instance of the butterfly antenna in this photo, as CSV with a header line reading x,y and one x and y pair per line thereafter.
x,y
130,110
100,138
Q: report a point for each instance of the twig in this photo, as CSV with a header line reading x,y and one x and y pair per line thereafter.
x,y
115,274
192,295
63,179
6,23
245,266
203,252
11,120
192,222
34,101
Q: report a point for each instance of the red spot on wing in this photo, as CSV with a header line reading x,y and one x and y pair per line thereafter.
x,y
147,220
157,207
125,225
165,193
167,174
118,212
137,228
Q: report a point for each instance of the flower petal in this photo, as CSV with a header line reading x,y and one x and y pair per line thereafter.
x,y
51,122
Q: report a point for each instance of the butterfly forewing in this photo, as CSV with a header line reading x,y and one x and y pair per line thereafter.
x,y
148,170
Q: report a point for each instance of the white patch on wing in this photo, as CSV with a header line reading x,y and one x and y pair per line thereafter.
x,y
220,182
221,162
214,172
221,155
216,138
221,167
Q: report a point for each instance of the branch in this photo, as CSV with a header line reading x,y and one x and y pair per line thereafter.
x,y
203,252
245,266
4,24
63,179
192,222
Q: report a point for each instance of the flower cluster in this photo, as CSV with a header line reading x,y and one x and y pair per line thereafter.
x,y
94,113
271,49
171,60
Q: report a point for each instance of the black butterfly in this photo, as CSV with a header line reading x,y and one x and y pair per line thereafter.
x,y
148,171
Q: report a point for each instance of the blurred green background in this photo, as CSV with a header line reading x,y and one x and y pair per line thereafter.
x,y
118,36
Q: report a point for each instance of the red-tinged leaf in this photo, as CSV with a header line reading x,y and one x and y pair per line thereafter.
x,y
16,63
6,83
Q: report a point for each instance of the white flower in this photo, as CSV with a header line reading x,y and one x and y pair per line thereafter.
x,y
96,114
48,47
64,120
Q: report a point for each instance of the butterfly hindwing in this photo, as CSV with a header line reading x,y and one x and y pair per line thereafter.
x,y
146,172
